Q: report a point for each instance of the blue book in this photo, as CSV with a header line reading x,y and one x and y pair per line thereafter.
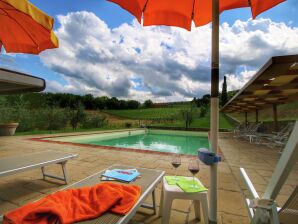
x,y
123,175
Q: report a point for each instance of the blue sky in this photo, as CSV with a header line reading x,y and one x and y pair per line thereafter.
x,y
138,85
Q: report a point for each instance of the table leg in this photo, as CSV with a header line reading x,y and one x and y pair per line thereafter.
x,y
166,209
154,202
161,203
197,208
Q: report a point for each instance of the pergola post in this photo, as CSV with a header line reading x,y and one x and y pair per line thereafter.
x,y
246,120
274,107
257,116
214,104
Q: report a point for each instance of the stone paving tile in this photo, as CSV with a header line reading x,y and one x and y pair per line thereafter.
x,y
232,219
7,206
259,161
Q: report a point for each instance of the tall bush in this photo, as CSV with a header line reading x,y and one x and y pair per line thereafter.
x,y
94,121
76,114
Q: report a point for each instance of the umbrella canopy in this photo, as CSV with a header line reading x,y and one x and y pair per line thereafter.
x,y
181,13
24,28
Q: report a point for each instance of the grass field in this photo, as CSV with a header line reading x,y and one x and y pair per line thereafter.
x,y
201,123
145,114
284,112
168,112
67,130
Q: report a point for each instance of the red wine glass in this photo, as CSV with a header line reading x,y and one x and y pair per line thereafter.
x,y
194,168
176,162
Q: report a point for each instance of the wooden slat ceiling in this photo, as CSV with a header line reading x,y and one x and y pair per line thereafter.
x,y
12,82
275,83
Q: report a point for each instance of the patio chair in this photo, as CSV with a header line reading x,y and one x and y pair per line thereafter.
x,y
148,181
250,132
277,139
241,128
16,164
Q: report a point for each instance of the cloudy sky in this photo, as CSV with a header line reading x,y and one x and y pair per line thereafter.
x,y
105,51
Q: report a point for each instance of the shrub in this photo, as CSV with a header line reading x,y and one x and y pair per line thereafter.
x,y
148,104
128,124
203,111
55,118
76,115
94,122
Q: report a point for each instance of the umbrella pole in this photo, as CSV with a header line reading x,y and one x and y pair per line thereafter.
x,y
214,108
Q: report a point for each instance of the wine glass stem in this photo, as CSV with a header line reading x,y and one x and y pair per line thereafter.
x,y
193,181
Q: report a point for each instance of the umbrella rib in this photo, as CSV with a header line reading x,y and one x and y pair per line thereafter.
x,y
30,36
145,6
193,10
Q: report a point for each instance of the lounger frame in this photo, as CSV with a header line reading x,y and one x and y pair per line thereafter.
x,y
42,164
140,203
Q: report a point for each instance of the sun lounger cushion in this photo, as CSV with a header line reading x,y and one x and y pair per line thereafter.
x,y
73,205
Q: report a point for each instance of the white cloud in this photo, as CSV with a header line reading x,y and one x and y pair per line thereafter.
x,y
161,63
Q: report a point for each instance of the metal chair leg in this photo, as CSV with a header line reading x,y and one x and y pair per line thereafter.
x,y
154,202
64,172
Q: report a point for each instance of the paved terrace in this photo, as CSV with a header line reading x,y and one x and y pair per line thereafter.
x,y
19,189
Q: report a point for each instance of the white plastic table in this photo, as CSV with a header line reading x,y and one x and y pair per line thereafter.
x,y
171,192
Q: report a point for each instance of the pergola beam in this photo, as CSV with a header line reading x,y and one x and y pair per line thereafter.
x,y
275,83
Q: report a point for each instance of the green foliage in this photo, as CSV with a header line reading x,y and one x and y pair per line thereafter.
x,y
148,104
188,115
128,125
56,118
150,113
76,114
203,122
94,122
204,101
203,111
224,94
132,104
65,100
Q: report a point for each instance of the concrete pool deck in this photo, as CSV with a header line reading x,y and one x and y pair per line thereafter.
x,y
259,161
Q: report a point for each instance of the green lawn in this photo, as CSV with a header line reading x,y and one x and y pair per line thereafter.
x,y
145,114
69,130
168,112
285,112
200,123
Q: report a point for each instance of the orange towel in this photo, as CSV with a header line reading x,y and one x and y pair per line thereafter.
x,y
75,205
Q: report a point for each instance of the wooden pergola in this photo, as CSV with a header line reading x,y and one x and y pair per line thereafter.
x,y
275,83
12,82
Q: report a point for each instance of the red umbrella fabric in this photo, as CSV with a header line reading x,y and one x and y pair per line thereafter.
x,y
181,13
24,28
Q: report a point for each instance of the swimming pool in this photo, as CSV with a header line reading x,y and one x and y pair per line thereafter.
x,y
181,142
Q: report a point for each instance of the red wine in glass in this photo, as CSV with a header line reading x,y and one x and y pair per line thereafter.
x,y
194,168
176,162
194,171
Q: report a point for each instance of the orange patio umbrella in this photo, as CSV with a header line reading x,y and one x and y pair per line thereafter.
x,y
181,13
24,28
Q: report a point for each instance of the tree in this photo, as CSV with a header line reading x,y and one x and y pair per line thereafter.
x,y
88,101
224,93
132,104
113,103
148,104
76,114
188,115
